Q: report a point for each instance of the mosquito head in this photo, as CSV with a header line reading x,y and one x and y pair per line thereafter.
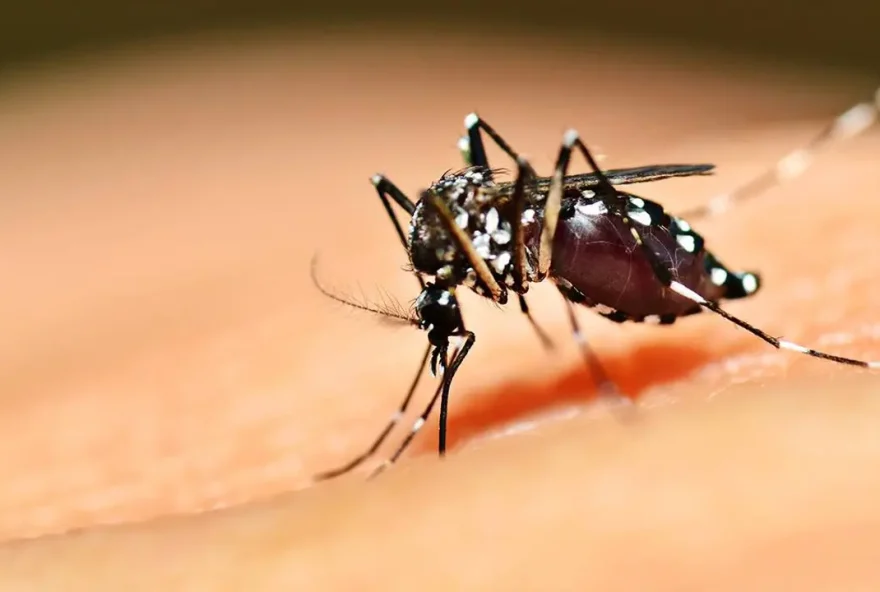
x,y
439,314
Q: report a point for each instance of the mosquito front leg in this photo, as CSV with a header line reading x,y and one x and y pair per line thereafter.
x,y
441,394
386,189
472,147
383,435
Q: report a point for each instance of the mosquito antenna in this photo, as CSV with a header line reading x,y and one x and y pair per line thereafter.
x,y
390,308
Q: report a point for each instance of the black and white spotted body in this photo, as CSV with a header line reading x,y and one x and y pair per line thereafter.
x,y
596,260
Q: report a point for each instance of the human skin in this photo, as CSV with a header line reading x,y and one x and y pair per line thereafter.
x,y
166,354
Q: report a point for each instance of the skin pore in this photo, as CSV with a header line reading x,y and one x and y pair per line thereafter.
x,y
172,380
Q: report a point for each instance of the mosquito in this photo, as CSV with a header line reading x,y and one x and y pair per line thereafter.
x,y
604,248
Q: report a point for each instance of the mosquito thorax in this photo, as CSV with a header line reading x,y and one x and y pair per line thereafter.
x,y
472,198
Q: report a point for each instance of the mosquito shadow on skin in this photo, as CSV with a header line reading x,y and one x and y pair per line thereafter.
x,y
634,371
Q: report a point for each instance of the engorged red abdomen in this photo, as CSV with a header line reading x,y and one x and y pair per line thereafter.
x,y
599,257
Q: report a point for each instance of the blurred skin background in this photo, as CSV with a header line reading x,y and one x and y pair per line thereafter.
x,y
172,380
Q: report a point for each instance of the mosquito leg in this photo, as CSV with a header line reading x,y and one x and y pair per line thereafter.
x,y
553,204
441,394
845,126
520,264
472,147
604,385
416,428
386,189
520,274
686,292
542,335
395,419
448,375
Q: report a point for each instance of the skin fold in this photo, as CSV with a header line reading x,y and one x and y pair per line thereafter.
x,y
172,379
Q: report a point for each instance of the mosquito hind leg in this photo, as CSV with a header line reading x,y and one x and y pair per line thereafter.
x,y
847,125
